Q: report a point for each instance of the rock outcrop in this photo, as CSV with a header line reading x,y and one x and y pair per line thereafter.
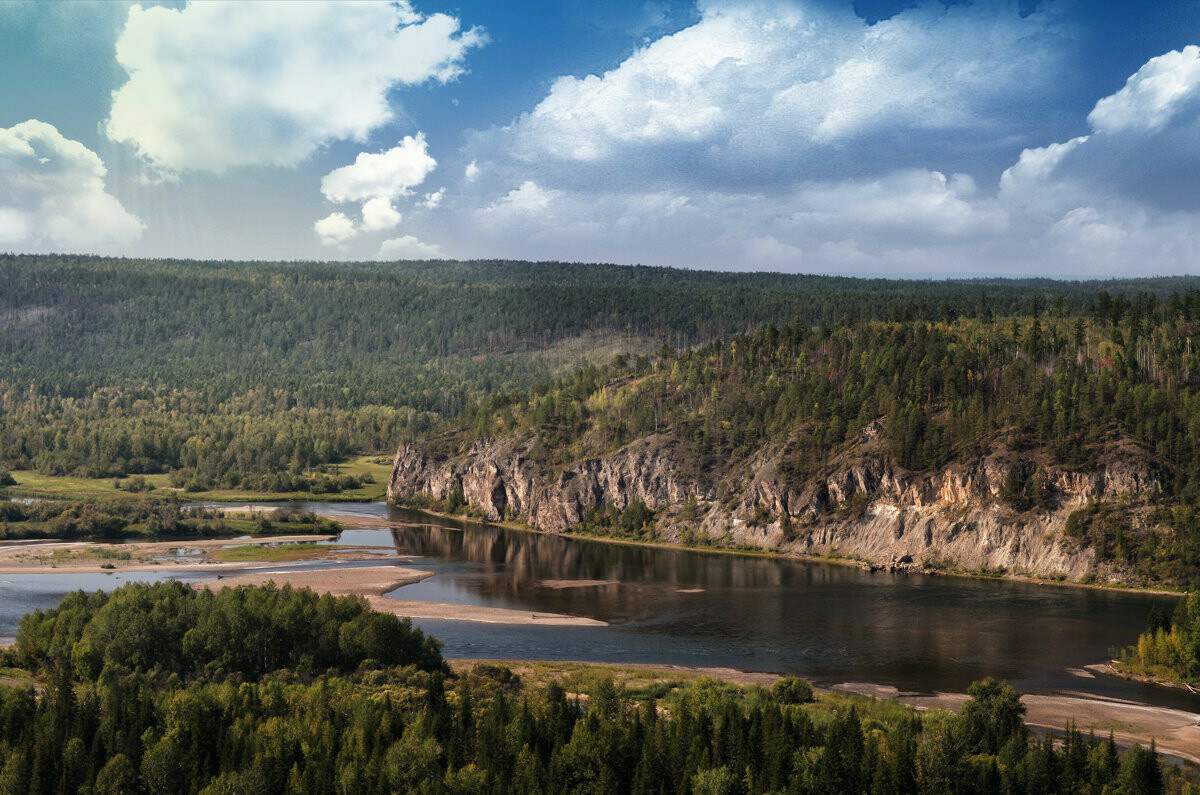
x,y
866,506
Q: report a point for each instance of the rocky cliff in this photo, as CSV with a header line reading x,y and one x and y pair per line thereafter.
x,y
865,506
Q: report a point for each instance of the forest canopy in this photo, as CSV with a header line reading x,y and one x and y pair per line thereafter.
x,y
248,374
162,689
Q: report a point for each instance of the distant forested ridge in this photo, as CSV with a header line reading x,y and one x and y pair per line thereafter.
x,y
160,689
247,373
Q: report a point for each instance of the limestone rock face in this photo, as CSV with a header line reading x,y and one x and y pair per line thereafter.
x,y
496,477
865,506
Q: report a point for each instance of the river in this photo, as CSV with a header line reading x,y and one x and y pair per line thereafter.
x,y
828,623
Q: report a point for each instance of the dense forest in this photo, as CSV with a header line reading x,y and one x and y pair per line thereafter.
x,y
155,689
247,374
1058,389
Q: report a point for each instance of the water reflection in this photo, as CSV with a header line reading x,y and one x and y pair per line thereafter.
x,y
830,623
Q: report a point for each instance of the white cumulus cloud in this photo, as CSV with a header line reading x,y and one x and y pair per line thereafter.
x,y
53,197
334,229
409,247
1152,95
390,174
378,213
219,85
528,200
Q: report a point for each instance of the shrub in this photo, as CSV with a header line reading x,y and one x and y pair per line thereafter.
x,y
792,690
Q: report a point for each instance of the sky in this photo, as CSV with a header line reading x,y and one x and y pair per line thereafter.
x,y
875,137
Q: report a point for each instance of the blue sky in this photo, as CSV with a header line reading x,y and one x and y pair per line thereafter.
x,y
868,137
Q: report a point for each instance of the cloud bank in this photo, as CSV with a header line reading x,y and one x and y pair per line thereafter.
x,y
780,135
775,91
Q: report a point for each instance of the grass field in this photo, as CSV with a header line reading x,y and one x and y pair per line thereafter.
x,y
34,484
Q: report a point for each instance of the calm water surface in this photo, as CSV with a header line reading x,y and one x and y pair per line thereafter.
x,y
825,622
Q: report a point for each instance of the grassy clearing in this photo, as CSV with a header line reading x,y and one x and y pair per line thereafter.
x,y
667,685
35,484
583,677
274,554
17,677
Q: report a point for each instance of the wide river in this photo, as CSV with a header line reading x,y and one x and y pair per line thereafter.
x,y
828,623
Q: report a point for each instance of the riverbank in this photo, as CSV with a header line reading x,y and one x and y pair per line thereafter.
x,y
776,555
1108,669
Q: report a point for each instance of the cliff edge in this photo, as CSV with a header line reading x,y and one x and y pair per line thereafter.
x,y
966,516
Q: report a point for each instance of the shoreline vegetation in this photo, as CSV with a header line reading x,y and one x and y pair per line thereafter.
x,y
1168,652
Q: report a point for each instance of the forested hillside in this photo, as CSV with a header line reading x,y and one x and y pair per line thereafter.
x,y
245,374
1079,420
155,689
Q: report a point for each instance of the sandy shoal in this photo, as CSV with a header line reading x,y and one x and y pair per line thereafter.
x,y
372,582
354,521
486,615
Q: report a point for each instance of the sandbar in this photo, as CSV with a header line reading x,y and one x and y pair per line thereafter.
x,y
484,615
358,521
372,582
361,580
